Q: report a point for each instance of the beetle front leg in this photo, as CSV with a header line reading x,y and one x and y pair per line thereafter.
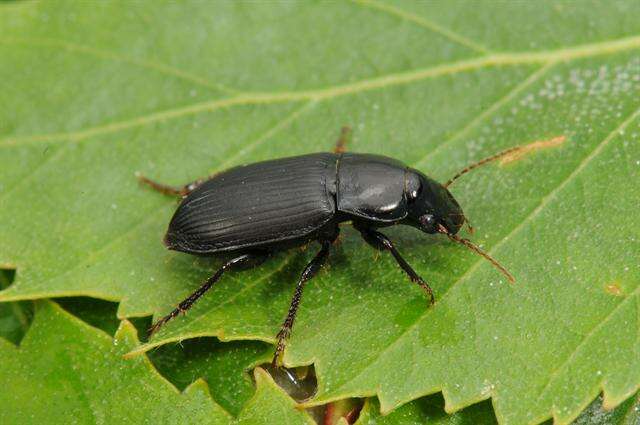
x,y
381,242
309,272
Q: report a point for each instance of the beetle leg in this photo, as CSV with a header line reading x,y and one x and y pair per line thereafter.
x,y
380,241
309,272
341,143
186,304
170,190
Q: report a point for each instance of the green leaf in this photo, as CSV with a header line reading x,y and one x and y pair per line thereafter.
x,y
426,410
430,410
97,313
627,413
271,405
67,369
223,366
15,317
90,99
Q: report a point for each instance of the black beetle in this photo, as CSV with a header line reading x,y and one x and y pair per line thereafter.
x,y
250,211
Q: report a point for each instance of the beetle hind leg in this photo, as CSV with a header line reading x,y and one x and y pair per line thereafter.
x,y
309,272
170,190
341,143
249,259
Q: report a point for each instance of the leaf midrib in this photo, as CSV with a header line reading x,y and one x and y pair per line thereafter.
x,y
389,80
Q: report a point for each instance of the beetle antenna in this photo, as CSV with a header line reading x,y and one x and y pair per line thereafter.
x,y
473,247
509,155
483,161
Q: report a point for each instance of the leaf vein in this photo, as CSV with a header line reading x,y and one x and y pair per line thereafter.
x,y
34,171
423,23
587,336
402,78
496,106
116,57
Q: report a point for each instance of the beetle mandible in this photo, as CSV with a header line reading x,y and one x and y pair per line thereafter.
x,y
247,212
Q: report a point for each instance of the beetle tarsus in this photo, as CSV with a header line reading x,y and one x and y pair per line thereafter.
x,y
381,242
282,337
427,289
309,272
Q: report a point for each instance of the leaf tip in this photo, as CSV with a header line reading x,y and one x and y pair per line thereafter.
x,y
140,350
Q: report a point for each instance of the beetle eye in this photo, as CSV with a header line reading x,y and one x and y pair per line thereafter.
x,y
428,223
428,220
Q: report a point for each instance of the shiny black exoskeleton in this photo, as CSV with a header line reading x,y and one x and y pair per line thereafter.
x,y
291,201
250,211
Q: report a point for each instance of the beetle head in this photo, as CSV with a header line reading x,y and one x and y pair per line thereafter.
x,y
433,209
431,206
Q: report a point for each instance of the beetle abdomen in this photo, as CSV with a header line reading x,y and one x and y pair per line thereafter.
x,y
255,205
